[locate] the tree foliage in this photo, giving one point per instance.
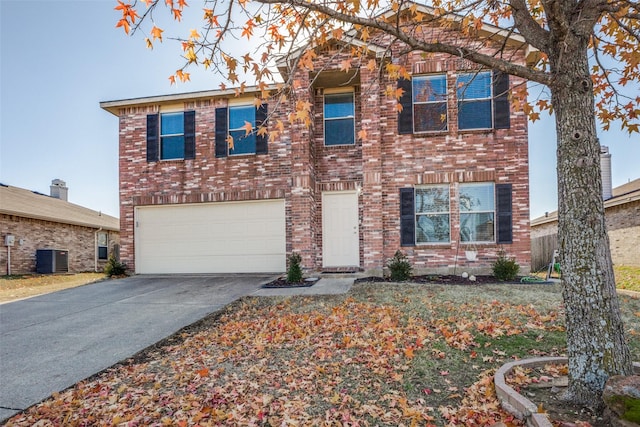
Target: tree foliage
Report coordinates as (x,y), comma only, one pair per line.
(585,54)
(277,32)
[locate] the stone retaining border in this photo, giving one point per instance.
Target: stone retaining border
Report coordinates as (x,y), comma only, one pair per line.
(517,404)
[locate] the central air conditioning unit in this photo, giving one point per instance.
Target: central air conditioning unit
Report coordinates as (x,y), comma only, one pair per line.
(52,261)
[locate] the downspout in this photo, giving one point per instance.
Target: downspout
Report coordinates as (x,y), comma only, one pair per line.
(95,249)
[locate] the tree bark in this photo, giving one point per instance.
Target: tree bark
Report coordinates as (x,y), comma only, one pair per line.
(595,337)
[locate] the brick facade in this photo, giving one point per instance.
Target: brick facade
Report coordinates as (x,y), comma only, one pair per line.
(33,234)
(299,168)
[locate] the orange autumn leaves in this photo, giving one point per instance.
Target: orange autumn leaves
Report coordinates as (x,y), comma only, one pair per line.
(311,363)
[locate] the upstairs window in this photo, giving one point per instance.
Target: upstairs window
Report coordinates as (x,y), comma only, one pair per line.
(242,143)
(432,214)
(477,212)
(171,136)
(474,101)
(429,103)
(482,99)
(339,119)
(231,138)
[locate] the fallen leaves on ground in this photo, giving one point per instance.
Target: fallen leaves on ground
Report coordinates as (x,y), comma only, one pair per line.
(307,361)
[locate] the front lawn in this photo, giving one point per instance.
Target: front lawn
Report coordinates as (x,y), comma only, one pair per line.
(385,354)
(28,285)
(627,277)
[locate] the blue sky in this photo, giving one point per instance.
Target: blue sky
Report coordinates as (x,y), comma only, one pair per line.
(59,59)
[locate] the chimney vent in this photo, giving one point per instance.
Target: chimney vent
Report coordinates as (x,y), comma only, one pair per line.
(59,189)
(605,167)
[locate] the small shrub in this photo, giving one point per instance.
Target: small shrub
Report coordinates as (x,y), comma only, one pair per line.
(505,268)
(400,267)
(294,272)
(114,267)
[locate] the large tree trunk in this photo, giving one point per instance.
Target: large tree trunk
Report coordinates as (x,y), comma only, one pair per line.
(595,336)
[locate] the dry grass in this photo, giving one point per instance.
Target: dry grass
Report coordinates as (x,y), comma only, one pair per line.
(19,287)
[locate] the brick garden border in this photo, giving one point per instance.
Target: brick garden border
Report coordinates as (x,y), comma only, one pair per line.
(517,404)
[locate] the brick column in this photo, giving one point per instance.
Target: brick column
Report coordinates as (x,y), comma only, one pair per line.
(302,218)
(371,196)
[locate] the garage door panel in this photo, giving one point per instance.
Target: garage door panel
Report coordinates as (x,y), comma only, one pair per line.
(211,238)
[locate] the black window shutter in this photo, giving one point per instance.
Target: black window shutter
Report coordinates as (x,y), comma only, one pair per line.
(261,120)
(504,213)
(221,132)
(405,117)
(189,134)
(407,218)
(501,113)
(152,138)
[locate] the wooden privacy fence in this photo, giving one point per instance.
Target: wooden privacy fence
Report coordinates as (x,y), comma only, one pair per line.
(542,248)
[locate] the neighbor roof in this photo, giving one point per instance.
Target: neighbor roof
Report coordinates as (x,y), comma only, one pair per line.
(622,194)
(30,204)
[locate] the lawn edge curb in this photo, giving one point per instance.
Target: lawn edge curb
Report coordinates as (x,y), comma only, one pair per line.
(518,405)
(514,402)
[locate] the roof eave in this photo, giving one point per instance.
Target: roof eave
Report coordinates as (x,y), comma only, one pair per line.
(114,106)
(58,220)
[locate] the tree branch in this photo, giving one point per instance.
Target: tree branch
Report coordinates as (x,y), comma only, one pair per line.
(535,35)
(420,45)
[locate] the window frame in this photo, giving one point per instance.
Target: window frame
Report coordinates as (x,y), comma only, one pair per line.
(446,213)
(105,247)
(352,118)
(171,135)
(251,135)
(493,211)
(461,99)
(444,102)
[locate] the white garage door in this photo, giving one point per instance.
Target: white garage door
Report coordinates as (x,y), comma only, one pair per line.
(233,237)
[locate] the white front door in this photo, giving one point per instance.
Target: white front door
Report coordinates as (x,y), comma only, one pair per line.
(340,233)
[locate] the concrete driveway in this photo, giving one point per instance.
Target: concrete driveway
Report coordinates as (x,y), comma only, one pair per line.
(50,342)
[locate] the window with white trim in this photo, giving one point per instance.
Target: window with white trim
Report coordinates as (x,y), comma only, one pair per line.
(103,246)
(242,142)
(432,214)
(339,119)
(477,212)
(429,103)
(474,92)
(172,136)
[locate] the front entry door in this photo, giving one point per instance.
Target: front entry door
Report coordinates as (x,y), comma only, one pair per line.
(340,233)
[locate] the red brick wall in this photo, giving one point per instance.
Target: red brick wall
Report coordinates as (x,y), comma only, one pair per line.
(37,234)
(299,168)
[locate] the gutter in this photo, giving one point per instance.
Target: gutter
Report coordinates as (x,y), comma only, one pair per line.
(95,248)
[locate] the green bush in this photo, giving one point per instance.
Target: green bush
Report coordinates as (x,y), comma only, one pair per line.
(400,267)
(294,272)
(505,268)
(114,267)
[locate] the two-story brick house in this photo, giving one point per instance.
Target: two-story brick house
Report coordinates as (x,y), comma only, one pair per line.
(446,174)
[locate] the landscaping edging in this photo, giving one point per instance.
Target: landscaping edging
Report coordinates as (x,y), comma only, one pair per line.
(518,405)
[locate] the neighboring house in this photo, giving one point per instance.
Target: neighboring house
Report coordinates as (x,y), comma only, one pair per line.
(448,173)
(31,221)
(622,214)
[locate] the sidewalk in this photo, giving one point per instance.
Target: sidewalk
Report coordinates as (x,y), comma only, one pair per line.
(327,285)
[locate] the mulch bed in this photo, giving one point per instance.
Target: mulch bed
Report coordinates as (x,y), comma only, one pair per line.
(281,282)
(448,279)
(441,279)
